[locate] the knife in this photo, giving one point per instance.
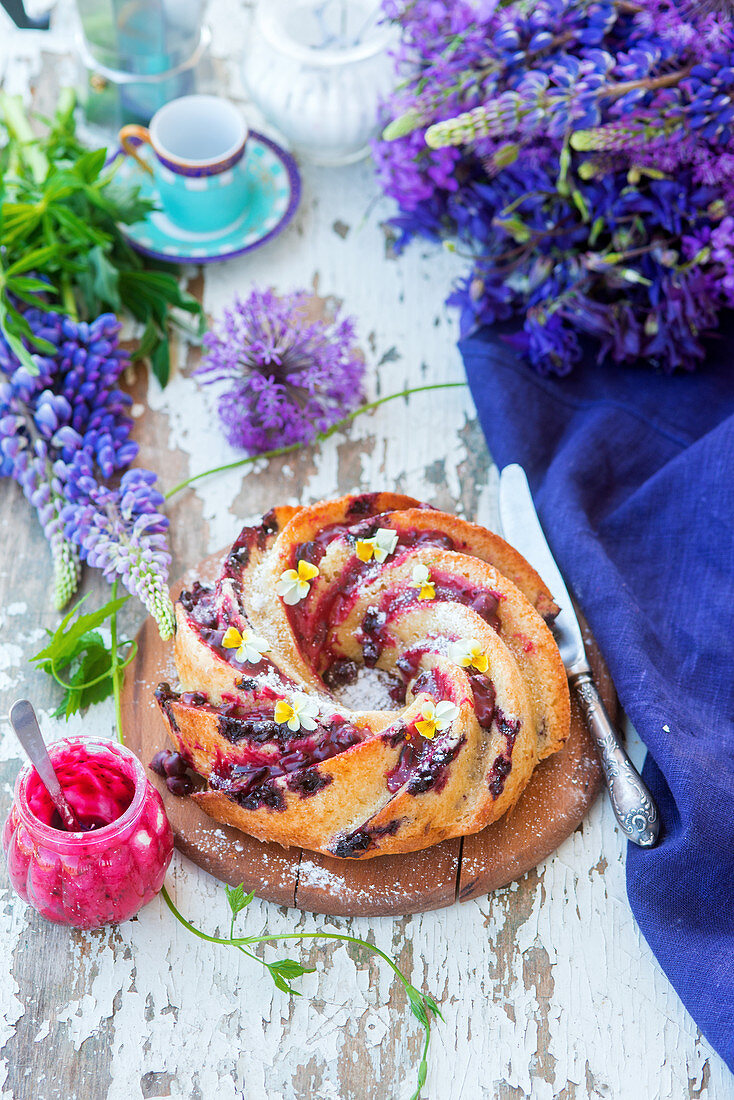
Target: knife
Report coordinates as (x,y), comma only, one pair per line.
(632,802)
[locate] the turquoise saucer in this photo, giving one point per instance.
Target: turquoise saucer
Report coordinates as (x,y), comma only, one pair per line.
(274,191)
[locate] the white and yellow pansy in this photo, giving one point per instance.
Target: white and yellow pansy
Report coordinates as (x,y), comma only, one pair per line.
(469,654)
(379,546)
(421,579)
(295,584)
(300,714)
(436,717)
(250,647)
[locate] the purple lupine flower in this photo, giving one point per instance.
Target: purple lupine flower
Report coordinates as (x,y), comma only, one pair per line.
(583,153)
(64,432)
(122,532)
(287,376)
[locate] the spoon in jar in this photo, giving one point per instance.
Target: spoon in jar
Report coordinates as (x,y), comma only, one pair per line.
(24,722)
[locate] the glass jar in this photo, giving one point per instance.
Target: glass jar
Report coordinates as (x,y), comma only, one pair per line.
(106,873)
(317,69)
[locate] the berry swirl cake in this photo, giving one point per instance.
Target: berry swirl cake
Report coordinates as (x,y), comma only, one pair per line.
(451,614)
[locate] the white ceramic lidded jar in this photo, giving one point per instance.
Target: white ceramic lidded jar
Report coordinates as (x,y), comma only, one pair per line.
(317,69)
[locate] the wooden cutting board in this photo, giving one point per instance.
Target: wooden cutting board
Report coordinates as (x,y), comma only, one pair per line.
(553,804)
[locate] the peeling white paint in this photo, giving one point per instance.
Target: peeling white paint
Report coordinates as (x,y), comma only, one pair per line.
(547,987)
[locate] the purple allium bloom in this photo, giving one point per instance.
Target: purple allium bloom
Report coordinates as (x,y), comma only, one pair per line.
(289,377)
(64,432)
(584,154)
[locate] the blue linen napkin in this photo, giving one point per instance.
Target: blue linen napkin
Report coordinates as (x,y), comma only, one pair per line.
(633,476)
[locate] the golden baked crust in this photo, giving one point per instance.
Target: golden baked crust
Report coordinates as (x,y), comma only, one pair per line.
(481,693)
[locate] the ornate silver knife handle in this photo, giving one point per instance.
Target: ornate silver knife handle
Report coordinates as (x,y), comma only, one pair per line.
(631,801)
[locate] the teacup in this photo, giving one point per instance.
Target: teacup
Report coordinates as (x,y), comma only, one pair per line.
(199,142)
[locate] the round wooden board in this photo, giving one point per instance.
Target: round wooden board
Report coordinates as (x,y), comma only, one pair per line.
(553,804)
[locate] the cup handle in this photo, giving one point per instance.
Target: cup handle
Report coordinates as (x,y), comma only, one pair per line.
(130,138)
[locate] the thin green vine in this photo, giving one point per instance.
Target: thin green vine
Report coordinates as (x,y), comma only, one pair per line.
(422,1005)
(319,438)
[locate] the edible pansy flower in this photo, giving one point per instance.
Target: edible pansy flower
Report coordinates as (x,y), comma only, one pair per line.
(300,714)
(436,717)
(469,654)
(422,580)
(250,647)
(379,547)
(294,584)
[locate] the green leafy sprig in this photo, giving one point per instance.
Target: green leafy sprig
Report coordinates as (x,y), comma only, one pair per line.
(422,1005)
(78,659)
(61,212)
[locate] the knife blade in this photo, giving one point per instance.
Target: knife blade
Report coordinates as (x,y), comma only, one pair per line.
(521,527)
(632,802)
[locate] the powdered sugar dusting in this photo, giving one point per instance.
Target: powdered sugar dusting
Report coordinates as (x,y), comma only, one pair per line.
(311,874)
(370,691)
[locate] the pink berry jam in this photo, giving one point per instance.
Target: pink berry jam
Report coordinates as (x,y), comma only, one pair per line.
(107,872)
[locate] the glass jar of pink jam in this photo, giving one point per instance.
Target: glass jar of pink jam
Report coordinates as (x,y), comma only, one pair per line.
(107,872)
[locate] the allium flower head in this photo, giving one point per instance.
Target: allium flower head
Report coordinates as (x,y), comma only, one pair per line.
(289,376)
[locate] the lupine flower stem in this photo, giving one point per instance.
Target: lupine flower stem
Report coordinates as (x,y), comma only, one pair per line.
(481,121)
(115,670)
(487,120)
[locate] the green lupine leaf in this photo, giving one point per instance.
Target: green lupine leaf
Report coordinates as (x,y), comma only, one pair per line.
(61,209)
(30,285)
(64,640)
(34,260)
(106,278)
(89,672)
(160,360)
(89,165)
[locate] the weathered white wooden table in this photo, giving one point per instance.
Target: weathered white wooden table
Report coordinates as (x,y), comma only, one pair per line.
(547,988)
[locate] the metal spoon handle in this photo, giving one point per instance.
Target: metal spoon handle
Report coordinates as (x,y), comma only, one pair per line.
(24,722)
(632,802)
